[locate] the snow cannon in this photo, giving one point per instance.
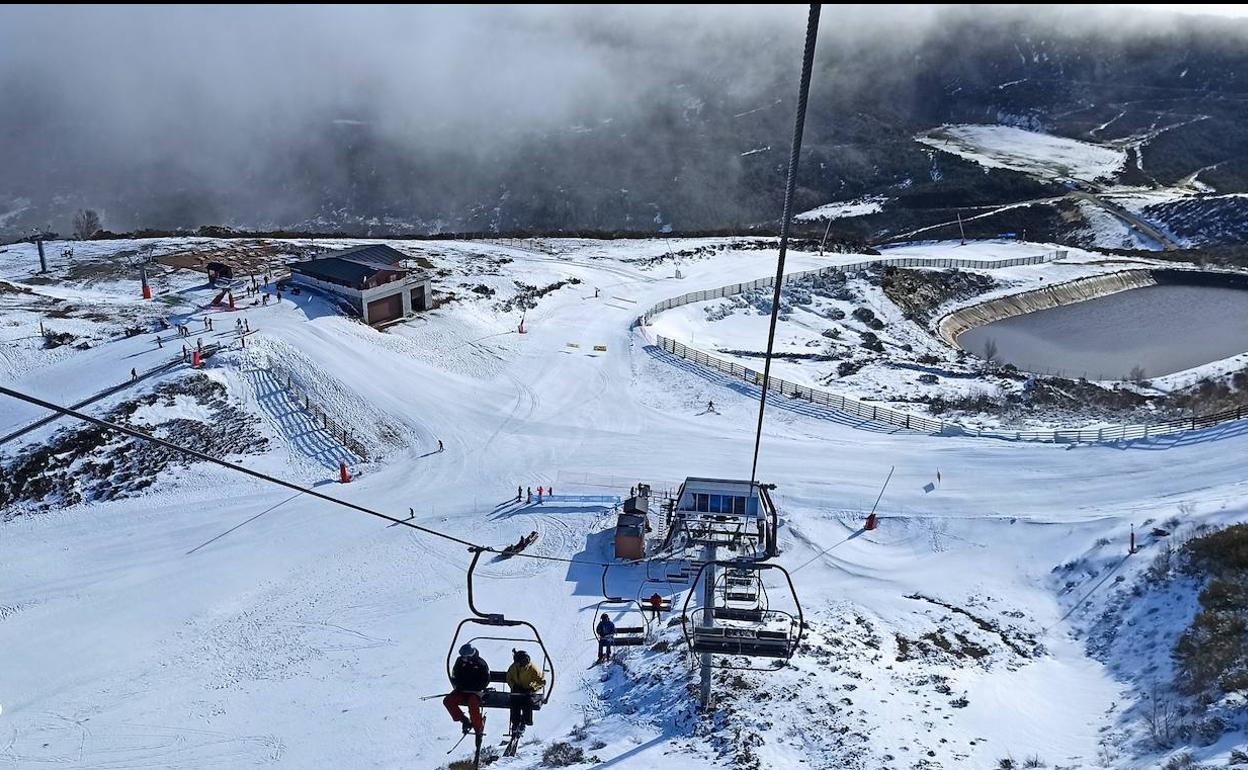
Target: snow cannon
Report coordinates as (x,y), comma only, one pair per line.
(871,522)
(343,474)
(196,361)
(147,290)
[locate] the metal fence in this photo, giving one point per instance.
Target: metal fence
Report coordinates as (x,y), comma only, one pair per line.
(904,420)
(761,283)
(330,426)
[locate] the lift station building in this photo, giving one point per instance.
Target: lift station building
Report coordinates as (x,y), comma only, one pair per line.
(726,511)
(371,280)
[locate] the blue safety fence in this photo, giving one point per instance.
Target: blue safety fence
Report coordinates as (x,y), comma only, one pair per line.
(607,500)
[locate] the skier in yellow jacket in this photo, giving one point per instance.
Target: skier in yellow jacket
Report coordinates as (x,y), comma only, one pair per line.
(524,679)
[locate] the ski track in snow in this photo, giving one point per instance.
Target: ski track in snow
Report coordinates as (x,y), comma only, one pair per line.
(144,633)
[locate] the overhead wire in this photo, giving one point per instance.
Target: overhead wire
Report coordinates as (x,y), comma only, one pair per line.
(803,93)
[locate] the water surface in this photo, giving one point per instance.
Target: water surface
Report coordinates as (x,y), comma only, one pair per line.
(1160,329)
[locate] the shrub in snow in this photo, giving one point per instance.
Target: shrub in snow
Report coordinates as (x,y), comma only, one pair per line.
(562,754)
(832,334)
(846,368)
(720,311)
(1212,654)
(835,314)
(797,293)
(872,342)
(928,379)
(1182,761)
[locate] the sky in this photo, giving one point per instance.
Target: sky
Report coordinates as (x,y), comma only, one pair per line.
(1206,9)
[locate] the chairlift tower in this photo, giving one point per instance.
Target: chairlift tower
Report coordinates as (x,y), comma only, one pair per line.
(737,516)
(708,621)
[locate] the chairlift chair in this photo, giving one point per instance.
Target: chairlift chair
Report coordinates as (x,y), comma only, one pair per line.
(744,597)
(625,636)
(648,588)
(667,571)
(764,632)
(508,632)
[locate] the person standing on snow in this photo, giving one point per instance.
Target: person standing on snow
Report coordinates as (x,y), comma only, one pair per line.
(519,494)
(524,680)
(606,636)
(470,677)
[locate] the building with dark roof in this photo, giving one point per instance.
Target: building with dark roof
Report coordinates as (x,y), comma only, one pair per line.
(370,279)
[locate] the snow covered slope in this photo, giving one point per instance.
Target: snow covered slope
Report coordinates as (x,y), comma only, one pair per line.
(210,620)
(1031,152)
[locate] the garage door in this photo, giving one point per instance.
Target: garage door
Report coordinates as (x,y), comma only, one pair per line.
(385,309)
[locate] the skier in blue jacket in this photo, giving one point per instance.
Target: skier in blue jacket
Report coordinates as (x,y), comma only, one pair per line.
(606,635)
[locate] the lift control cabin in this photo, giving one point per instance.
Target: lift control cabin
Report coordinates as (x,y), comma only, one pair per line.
(726,512)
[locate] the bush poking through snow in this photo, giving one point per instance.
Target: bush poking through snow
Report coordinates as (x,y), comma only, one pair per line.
(1212,654)
(562,754)
(1182,761)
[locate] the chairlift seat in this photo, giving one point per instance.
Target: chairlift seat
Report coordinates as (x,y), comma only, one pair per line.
(742,641)
(739,596)
(628,641)
(736,613)
(501,699)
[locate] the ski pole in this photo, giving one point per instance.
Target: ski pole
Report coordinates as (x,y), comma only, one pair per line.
(461,740)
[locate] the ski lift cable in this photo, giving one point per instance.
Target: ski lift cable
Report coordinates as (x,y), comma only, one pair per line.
(67,412)
(808,58)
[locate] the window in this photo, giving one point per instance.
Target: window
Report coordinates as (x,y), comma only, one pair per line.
(724,504)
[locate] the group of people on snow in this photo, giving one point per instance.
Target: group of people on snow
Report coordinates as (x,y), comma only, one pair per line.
(542,491)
